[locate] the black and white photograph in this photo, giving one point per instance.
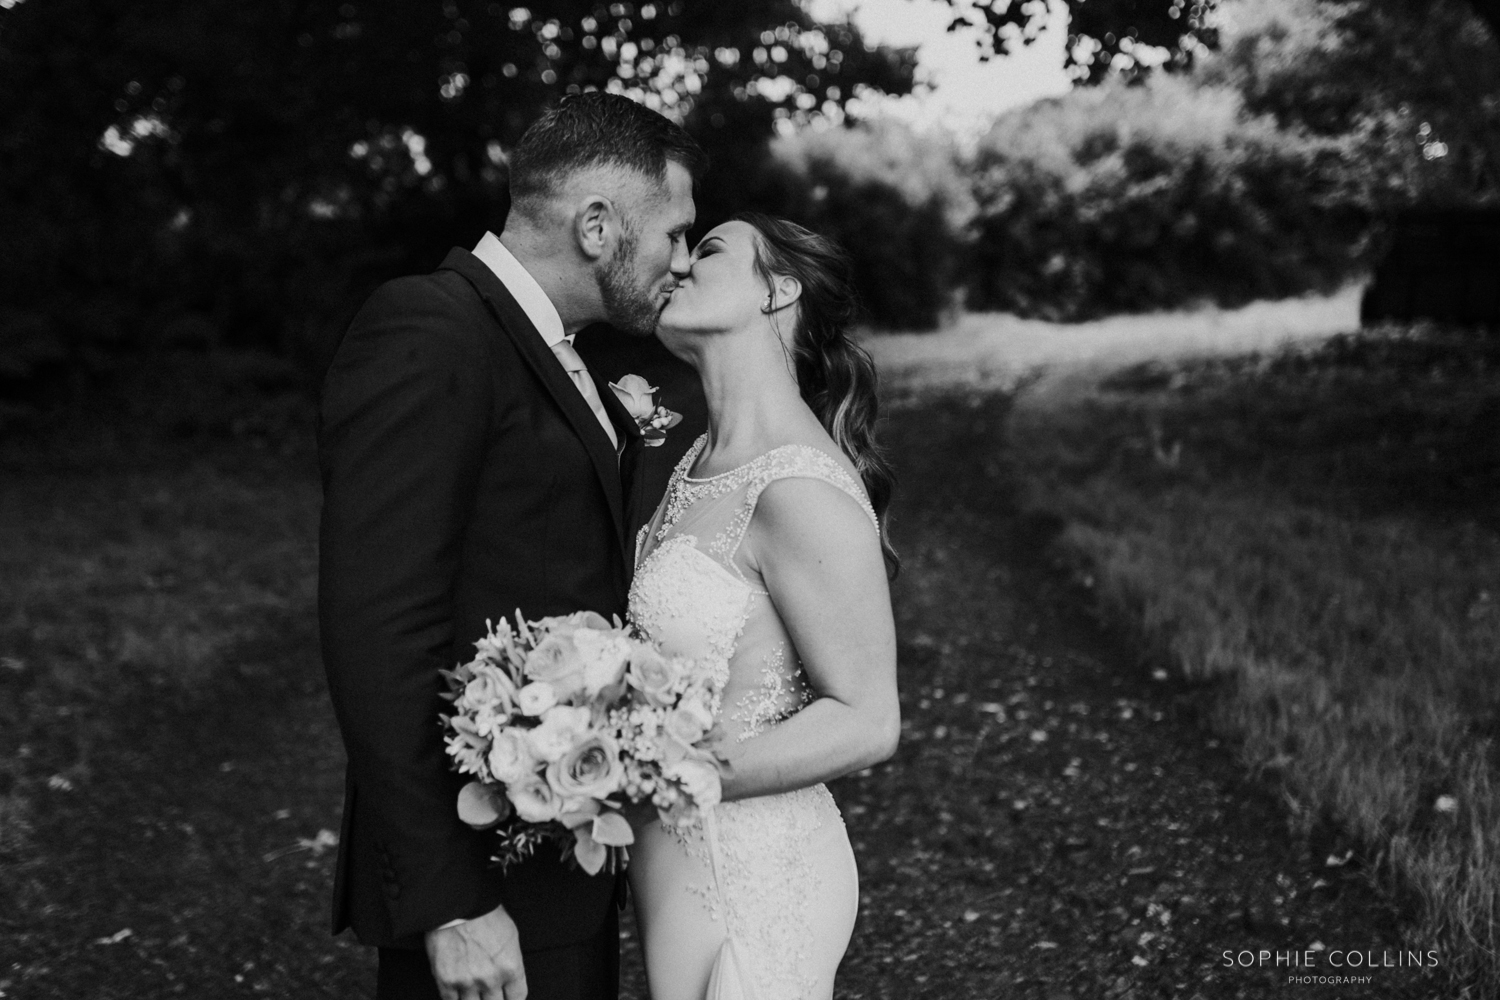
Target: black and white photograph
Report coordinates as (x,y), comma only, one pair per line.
(771,500)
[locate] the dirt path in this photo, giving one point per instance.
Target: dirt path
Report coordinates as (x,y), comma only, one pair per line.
(1055,824)
(990,351)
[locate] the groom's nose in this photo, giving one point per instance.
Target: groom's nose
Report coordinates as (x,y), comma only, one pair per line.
(681,260)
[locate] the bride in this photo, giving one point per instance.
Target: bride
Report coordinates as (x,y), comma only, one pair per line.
(768,555)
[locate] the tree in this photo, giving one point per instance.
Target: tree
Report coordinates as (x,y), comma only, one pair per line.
(255,165)
(1129,37)
(1133,36)
(1415,85)
(1419,79)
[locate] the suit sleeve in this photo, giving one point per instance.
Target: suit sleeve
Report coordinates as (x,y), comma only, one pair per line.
(405,416)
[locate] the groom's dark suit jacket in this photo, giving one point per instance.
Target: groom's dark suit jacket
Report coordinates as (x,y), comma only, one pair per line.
(464,477)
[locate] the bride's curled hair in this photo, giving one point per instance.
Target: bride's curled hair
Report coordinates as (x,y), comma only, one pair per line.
(835,374)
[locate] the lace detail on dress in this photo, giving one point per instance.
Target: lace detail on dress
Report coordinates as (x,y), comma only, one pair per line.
(672,585)
(782,694)
(770,865)
(799,460)
(758,851)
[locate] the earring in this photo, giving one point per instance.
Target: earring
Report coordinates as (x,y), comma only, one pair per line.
(766,306)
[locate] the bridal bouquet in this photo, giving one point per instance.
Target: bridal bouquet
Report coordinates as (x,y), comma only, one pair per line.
(562,721)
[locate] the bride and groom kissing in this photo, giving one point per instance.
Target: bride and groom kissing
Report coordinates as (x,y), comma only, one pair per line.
(473,465)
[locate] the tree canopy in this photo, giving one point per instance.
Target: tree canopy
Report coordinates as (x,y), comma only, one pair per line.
(207,155)
(1131,37)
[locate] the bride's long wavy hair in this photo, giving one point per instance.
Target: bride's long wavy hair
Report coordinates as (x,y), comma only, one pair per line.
(836,375)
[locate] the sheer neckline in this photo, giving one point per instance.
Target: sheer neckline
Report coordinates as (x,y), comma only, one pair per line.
(702,442)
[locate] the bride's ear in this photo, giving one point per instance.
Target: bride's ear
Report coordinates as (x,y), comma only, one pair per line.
(785,291)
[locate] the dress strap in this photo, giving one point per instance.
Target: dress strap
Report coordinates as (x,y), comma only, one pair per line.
(792,461)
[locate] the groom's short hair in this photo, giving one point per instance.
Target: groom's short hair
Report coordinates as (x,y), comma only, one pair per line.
(597,129)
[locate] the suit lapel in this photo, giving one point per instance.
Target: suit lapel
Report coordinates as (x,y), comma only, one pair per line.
(531,347)
(630,454)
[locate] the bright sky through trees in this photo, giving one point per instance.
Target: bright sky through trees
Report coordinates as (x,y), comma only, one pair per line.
(961,93)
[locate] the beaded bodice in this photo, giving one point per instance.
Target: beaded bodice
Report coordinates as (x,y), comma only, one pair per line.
(695,595)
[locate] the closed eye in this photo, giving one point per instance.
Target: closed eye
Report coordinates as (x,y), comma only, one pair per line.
(706,248)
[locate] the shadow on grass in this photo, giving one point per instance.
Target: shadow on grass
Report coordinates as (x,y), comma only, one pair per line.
(164,729)
(1317,529)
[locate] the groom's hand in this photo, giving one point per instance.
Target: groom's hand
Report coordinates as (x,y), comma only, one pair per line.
(479,959)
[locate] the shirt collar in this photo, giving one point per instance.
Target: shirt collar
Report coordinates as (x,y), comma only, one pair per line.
(519,282)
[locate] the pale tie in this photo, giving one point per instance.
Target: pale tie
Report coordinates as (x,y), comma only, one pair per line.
(579,373)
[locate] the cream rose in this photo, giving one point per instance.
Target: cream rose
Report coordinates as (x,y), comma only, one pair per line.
(605,656)
(535,698)
(689,722)
(653,675)
(490,689)
(562,726)
(510,757)
(566,625)
(591,769)
(535,801)
(556,661)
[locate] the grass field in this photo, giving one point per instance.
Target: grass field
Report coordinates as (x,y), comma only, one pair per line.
(1315,532)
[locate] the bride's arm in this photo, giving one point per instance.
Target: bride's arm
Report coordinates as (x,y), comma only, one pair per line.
(821,562)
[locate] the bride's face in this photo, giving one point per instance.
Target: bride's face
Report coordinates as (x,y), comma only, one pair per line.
(722,291)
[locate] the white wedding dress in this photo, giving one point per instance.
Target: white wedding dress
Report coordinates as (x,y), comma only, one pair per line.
(759,902)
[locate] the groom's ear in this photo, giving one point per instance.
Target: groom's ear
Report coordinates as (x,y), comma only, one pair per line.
(595,223)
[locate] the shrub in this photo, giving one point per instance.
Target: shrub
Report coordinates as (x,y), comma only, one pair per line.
(1128,198)
(896,200)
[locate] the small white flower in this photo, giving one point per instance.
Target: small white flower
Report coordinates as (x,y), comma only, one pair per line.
(699,779)
(535,801)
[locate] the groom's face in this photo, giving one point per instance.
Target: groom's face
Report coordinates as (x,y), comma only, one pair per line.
(651,256)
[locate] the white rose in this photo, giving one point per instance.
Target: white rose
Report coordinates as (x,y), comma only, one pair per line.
(535,698)
(654,675)
(591,769)
(510,757)
(534,800)
(699,779)
(562,726)
(556,661)
(689,721)
(490,688)
(605,657)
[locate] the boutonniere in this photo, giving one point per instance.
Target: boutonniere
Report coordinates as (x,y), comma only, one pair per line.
(639,399)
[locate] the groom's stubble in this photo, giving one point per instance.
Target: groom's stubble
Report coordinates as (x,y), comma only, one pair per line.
(629,305)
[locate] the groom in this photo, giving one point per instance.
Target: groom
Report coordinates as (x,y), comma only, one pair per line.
(472,465)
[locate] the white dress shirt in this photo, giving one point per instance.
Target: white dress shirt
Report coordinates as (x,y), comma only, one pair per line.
(543,315)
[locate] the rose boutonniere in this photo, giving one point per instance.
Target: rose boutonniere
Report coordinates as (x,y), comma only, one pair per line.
(639,399)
